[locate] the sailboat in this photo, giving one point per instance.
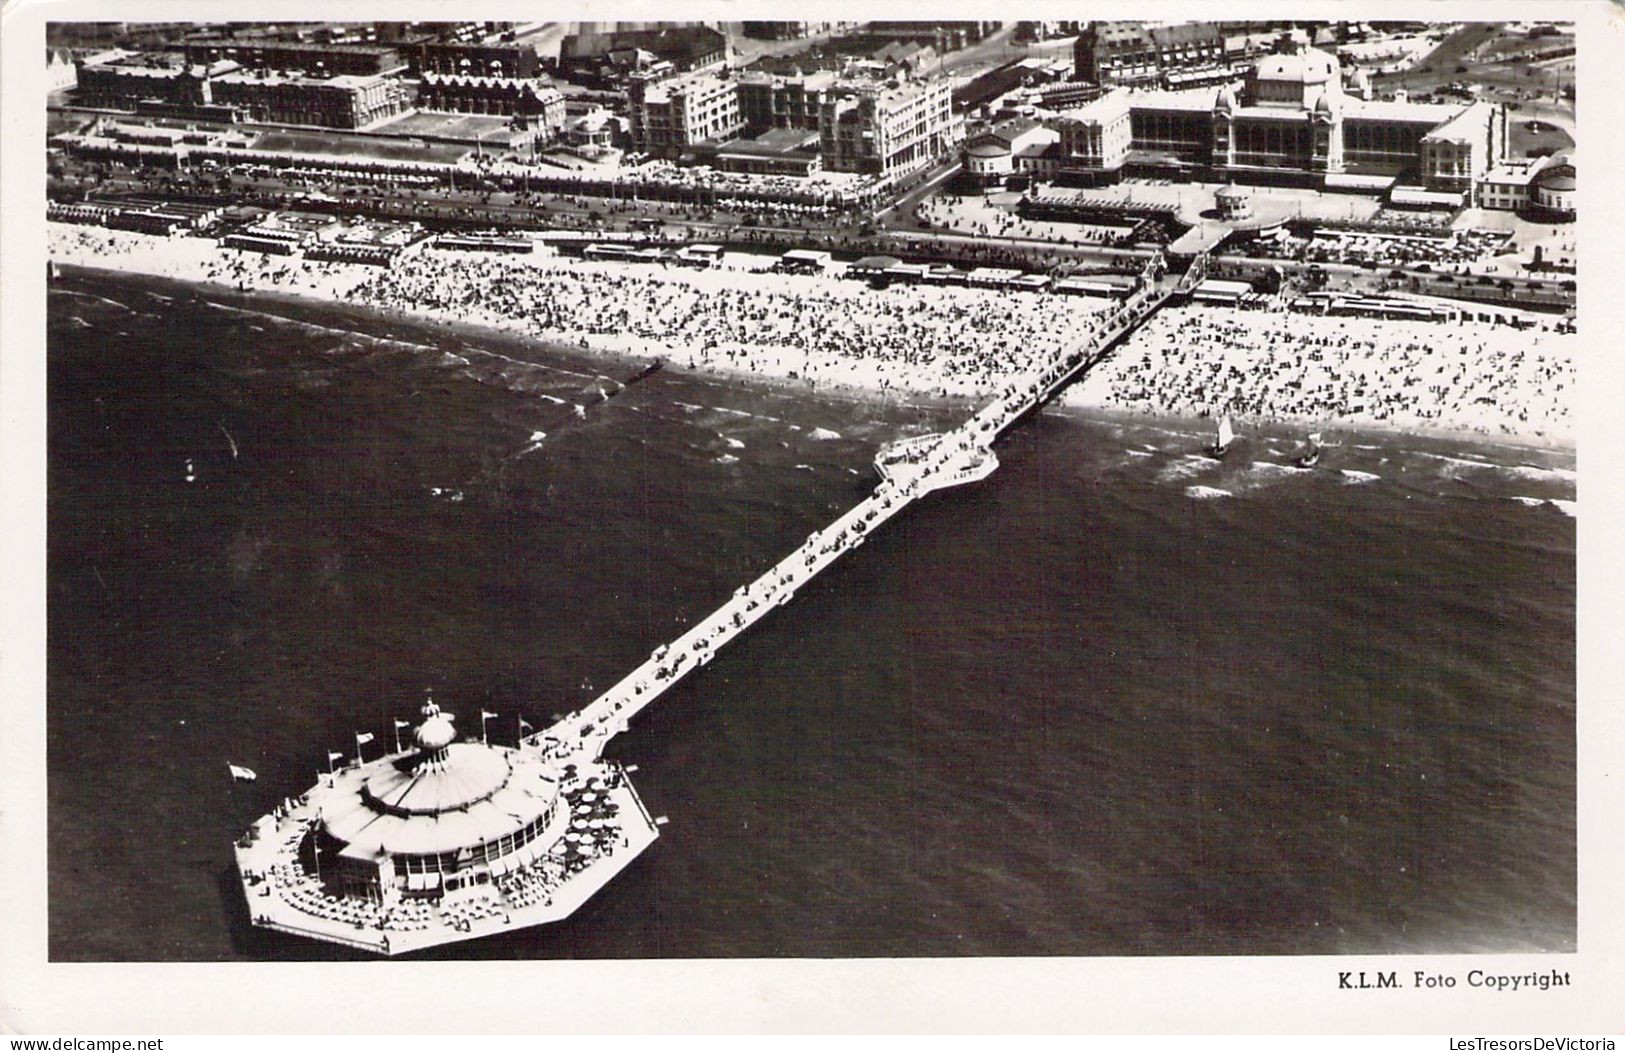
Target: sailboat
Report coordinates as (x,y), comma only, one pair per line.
(1227,435)
(1312,457)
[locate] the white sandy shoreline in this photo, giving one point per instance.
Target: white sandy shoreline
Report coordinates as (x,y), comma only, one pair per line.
(923,346)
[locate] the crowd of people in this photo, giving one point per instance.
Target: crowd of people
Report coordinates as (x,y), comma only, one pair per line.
(939,342)
(1465,376)
(943,342)
(1459,249)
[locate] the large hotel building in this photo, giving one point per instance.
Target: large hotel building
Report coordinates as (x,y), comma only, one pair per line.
(862,125)
(879,129)
(1290,122)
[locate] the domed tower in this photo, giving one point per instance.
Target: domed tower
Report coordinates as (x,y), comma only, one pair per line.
(1224,127)
(1362,84)
(434,736)
(1326,121)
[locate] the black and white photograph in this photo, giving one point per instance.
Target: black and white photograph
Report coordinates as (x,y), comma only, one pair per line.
(841,490)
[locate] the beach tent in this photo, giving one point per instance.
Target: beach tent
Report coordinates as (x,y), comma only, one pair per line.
(874,264)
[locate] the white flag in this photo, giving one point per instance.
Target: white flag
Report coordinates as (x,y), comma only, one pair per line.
(241,773)
(486,714)
(399,724)
(363,737)
(333,755)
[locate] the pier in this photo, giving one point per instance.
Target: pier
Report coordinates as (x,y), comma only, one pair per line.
(909,469)
(451,838)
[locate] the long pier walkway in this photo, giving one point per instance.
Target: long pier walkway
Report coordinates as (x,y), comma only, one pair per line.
(909,470)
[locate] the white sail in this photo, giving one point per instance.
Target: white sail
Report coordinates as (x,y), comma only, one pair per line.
(1314,439)
(1226,435)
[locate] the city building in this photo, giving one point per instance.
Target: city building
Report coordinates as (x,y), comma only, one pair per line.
(943,36)
(768,101)
(670,116)
(593,130)
(1554,186)
(997,87)
(60,71)
(907,58)
(1457,153)
(889,129)
(785,30)
(1541,186)
(346,101)
(1505,188)
(512,61)
(1145,53)
(1290,121)
(991,157)
(778,151)
(498,96)
(687,48)
(362,60)
(1096,137)
(118,80)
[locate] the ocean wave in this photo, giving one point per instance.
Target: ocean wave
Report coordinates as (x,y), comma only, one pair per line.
(1454,465)
(1206,493)
(1183,468)
(1351,477)
(727,458)
(1530,471)
(1566,507)
(1137,453)
(824,434)
(733,443)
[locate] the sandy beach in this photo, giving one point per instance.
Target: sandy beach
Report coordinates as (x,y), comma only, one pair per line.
(926,342)
(1464,377)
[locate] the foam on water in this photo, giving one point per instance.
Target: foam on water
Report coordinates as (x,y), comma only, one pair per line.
(1187,466)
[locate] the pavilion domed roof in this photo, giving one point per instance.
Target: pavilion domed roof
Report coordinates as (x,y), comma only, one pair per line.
(473,793)
(1308,66)
(1557,173)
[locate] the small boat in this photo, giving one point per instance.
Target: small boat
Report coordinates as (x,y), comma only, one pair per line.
(1221,443)
(1312,457)
(646,371)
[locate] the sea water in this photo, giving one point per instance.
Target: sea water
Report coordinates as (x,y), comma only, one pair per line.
(1119,698)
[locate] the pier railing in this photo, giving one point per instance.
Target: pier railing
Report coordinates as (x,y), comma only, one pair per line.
(909,469)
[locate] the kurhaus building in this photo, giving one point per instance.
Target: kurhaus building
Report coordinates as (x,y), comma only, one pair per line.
(1291,121)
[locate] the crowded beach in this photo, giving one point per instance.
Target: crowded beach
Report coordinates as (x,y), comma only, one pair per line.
(915,341)
(1473,377)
